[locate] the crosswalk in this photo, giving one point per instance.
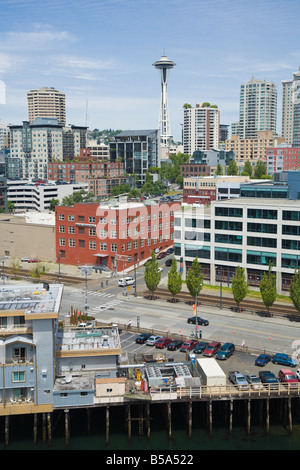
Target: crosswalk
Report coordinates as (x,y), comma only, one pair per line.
(92,293)
(110,305)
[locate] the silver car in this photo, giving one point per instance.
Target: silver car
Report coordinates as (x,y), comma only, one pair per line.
(152,340)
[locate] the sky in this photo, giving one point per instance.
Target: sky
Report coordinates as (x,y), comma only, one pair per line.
(100,53)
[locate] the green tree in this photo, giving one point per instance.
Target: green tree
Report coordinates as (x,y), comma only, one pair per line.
(174,280)
(268,288)
(53,202)
(239,285)
(152,275)
(219,170)
(295,289)
(15,265)
(10,206)
(232,169)
(247,170)
(38,270)
(260,169)
(194,278)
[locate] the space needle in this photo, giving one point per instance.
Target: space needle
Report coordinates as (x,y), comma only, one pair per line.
(164,65)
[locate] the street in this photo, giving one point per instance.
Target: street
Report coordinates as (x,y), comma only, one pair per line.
(109,304)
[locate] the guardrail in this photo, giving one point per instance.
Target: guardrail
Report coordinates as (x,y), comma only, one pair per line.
(228,391)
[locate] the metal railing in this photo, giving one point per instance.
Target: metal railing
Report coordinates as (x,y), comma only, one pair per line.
(228,391)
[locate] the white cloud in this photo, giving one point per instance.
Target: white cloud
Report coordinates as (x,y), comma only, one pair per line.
(41,37)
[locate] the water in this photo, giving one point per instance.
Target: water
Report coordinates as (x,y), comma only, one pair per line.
(21,434)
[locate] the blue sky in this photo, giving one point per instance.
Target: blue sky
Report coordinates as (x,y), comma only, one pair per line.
(101,52)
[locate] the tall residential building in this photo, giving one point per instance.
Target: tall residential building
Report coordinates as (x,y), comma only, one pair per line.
(4,135)
(45,140)
(46,103)
(258,108)
(291,110)
(201,128)
(287,111)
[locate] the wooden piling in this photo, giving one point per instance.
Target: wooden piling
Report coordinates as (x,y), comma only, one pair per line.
(290,414)
(6,429)
(67,427)
(169,420)
(148,420)
(230,416)
(129,422)
(209,404)
(248,416)
(44,427)
(49,428)
(190,417)
(267,415)
(35,428)
(107,425)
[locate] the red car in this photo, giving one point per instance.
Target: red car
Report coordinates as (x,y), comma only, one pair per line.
(33,260)
(163,343)
(161,255)
(211,349)
(188,345)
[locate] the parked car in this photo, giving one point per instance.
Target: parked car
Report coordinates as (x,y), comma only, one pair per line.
(225,351)
(267,377)
(262,359)
(25,259)
(128,281)
(142,338)
(188,345)
(200,347)
(236,378)
(163,343)
(33,260)
(200,321)
(287,376)
(284,359)
(175,344)
(253,380)
(212,348)
(170,251)
(85,325)
(161,255)
(168,262)
(152,340)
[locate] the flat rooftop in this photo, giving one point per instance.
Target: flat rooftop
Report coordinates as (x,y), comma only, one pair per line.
(32,299)
(83,339)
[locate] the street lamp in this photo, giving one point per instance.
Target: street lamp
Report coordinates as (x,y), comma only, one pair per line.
(85,271)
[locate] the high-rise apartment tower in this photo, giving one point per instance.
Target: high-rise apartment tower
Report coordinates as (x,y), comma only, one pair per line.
(46,103)
(290,127)
(201,128)
(258,108)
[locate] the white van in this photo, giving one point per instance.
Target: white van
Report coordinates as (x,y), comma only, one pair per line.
(128,281)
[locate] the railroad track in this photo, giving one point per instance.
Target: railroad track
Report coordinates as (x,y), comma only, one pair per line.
(277,309)
(45,277)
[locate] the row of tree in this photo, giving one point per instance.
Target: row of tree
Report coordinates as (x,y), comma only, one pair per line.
(240,285)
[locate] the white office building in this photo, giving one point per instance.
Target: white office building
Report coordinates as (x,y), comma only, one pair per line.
(27,196)
(247,232)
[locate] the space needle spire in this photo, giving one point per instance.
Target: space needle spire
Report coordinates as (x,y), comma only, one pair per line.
(164,65)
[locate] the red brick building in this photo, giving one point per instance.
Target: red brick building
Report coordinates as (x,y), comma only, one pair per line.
(112,235)
(282,159)
(81,171)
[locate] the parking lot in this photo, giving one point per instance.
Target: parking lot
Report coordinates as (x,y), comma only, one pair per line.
(239,361)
